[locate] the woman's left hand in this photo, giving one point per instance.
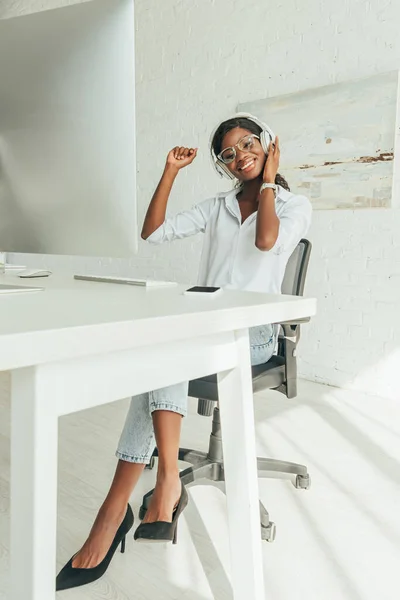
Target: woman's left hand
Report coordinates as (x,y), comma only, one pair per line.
(272,162)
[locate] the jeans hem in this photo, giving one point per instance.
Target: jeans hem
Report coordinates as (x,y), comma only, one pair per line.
(139,459)
(169,407)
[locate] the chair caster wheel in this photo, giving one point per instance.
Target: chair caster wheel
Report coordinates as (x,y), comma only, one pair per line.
(303,482)
(268,533)
(151,464)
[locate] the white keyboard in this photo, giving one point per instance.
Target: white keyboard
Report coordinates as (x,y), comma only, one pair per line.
(125,280)
(17,289)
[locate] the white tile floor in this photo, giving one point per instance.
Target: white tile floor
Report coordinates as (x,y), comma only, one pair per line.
(338,541)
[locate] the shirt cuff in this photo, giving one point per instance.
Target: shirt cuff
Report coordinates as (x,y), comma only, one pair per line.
(157,237)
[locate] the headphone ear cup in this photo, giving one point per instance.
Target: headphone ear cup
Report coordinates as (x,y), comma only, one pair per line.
(265,140)
(223,170)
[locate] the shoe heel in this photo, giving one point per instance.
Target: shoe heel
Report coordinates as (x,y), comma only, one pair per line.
(175,539)
(123,544)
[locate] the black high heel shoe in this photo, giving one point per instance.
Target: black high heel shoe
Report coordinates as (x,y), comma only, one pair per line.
(163,531)
(70,577)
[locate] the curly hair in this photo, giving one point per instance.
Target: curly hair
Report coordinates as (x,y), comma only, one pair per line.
(243,123)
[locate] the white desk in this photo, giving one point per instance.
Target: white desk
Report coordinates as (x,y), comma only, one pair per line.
(80,344)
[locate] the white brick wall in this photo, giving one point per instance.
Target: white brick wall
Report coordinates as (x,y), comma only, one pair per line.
(196,59)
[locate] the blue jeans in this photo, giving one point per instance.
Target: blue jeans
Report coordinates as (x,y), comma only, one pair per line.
(137,441)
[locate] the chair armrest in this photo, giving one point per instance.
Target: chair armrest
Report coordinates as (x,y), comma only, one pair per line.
(288,344)
(291,330)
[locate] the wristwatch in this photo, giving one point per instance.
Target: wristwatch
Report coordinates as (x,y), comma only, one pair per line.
(271,186)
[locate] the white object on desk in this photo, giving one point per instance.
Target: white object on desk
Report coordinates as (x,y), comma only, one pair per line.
(125,280)
(12,268)
(81,345)
(29,273)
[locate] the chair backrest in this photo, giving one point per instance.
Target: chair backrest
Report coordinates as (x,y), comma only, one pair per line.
(296,269)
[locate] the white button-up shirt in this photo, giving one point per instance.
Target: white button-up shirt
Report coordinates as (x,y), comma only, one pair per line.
(230,258)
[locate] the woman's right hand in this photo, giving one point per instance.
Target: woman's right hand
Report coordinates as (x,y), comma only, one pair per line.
(180,157)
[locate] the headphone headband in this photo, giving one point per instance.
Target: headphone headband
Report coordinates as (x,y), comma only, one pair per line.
(267,136)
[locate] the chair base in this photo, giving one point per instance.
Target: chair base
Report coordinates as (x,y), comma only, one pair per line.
(210,466)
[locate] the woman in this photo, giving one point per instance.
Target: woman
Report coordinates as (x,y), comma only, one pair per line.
(249,235)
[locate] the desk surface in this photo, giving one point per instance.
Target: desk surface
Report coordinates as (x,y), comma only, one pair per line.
(102,341)
(75,318)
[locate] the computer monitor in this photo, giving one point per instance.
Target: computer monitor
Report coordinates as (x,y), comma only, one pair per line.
(67,131)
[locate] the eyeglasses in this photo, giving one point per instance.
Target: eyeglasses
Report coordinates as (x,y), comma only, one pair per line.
(246,143)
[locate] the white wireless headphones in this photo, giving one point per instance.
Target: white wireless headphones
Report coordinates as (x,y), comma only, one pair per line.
(266,137)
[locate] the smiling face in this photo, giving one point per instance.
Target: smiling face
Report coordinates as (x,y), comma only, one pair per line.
(249,162)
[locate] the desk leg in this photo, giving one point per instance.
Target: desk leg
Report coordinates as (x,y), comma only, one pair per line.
(238,438)
(34,434)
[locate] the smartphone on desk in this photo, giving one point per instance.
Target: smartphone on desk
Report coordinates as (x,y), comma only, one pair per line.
(199,290)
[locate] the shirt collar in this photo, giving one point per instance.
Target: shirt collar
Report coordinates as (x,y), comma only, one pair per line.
(230,201)
(282,194)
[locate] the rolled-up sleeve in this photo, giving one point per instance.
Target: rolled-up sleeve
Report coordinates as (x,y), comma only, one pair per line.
(184,224)
(295,221)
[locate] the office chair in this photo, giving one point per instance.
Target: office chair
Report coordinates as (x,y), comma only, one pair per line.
(279,373)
